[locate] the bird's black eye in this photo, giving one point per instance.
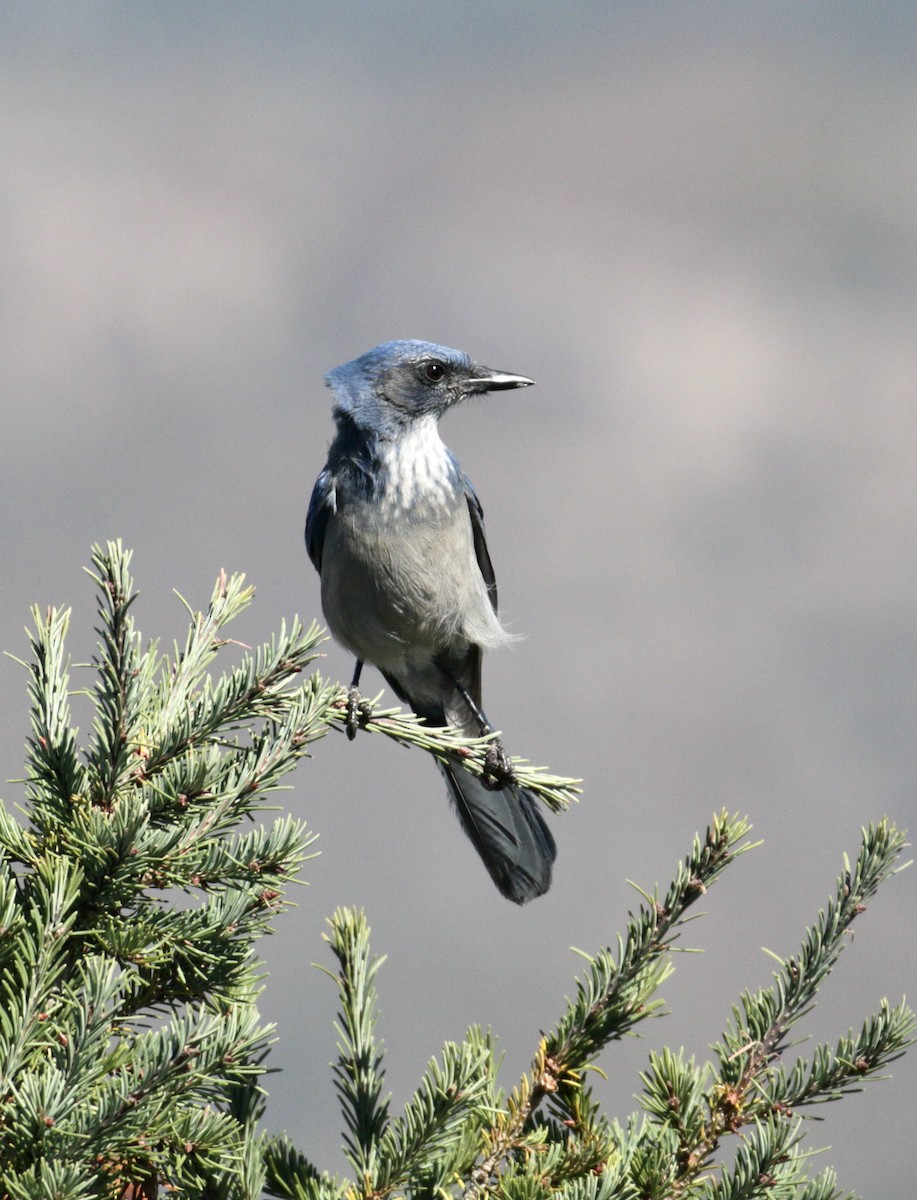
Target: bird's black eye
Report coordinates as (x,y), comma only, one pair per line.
(433,371)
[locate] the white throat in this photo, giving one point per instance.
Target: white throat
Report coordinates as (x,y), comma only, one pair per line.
(417,467)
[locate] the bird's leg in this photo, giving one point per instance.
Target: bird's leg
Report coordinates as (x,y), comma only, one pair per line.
(498,770)
(358,710)
(485,725)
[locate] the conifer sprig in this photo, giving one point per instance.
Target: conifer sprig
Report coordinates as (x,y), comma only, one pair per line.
(450,745)
(388,1153)
(619,989)
(358,1071)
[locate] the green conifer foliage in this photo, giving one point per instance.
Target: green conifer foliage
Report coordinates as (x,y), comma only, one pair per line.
(134,893)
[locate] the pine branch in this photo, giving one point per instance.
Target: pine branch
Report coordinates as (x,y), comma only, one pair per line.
(831,1074)
(121,668)
(763,1019)
(822,1187)
(766,1164)
(617,994)
(358,1075)
(761,1023)
(54,770)
(37,961)
(414,1148)
(749,1085)
(453,746)
(292,1176)
(618,991)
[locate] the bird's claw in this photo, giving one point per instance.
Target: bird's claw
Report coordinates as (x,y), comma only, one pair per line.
(359,712)
(498,771)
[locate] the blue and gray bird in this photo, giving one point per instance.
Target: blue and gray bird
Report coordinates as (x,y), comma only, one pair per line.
(396,532)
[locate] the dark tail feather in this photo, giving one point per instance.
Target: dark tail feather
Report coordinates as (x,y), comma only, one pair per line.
(508,832)
(505,826)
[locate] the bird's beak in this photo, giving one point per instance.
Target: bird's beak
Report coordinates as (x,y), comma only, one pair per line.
(484,379)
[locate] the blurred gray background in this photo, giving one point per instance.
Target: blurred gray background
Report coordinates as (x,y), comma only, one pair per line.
(695,225)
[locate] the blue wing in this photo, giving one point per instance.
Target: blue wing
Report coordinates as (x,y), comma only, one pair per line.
(320,508)
(476,513)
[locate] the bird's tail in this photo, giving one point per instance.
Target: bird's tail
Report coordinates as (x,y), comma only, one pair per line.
(508,832)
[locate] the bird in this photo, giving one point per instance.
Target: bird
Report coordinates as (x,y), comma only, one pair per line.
(396,532)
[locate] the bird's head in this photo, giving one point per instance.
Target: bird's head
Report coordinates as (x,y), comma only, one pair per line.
(391,387)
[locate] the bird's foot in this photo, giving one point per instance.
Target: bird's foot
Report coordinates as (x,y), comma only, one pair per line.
(359,712)
(498,770)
